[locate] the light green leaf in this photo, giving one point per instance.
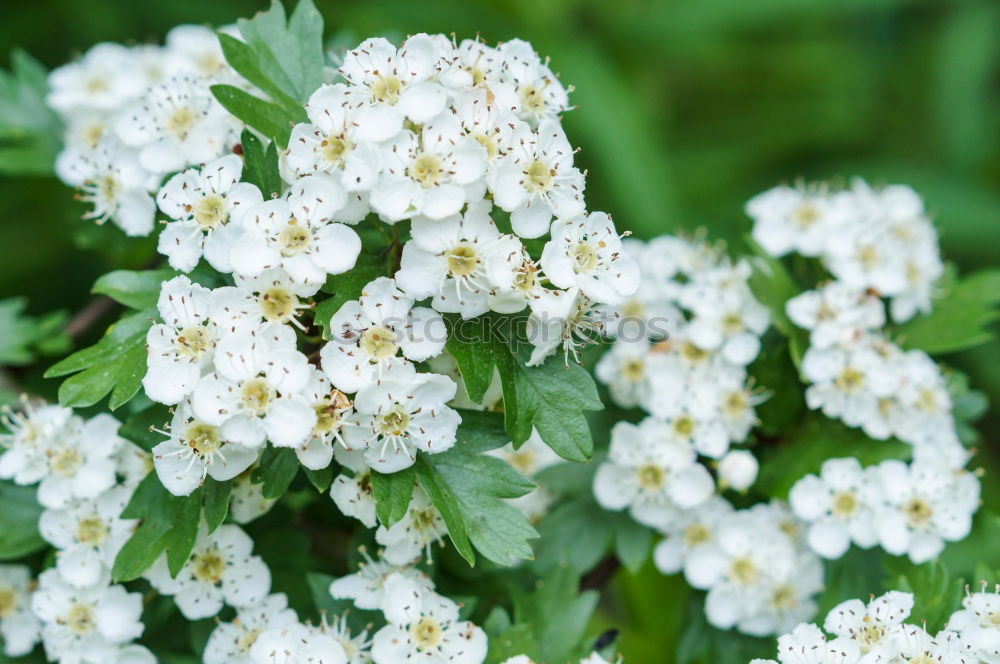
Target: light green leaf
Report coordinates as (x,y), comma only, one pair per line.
(960,319)
(138,290)
(268,118)
(471,486)
(19,521)
(22,337)
(393,492)
(558,614)
(936,595)
(260,166)
(116,364)
(289,55)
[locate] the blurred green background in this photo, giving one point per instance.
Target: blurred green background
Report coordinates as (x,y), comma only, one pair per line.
(686,108)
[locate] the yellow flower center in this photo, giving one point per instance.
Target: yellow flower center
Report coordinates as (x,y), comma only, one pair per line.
(490,145)
(783,597)
(295,238)
(278,305)
(257,395)
(378,343)
(108,187)
(427,170)
(65,462)
(193,342)
(208,566)
(584,257)
(696,534)
(8,601)
(743,571)
(335,149)
(426,633)
(91,530)
(633,369)
(202,438)
(462,260)
(538,177)
(80,619)
(210,211)
(181,121)
(804,215)
(844,504)
(850,380)
(532,99)
(917,512)
(734,404)
(394,421)
(684,425)
(651,477)
(386,89)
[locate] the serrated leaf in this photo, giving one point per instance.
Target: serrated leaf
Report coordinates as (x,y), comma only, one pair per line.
(23,337)
(19,521)
(268,118)
(139,553)
(260,165)
(472,487)
(393,492)
(959,320)
(135,289)
(244,59)
(116,364)
(275,471)
(289,55)
(215,502)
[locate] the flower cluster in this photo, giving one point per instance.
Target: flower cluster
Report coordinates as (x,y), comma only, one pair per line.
(856,633)
(134,114)
(910,509)
(870,239)
(85,475)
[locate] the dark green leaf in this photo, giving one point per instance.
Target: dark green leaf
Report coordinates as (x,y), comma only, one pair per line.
(18,521)
(215,502)
(138,290)
(139,427)
(557,613)
(393,492)
(260,166)
(276,470)
(321,479)
(181,537)
(139,553)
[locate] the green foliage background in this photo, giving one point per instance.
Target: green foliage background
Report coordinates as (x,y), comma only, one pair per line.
(686,109)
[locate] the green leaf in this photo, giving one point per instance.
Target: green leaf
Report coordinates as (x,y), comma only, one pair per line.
(182,535)
(473,346)
(244,59)
(321,479)
(268,118)
(632,543)
(19,521)
(115,364)
(276,470)
(167,523)
(23,337)
(29,130)
(936,595)
(773,285)
(289,55)
(469,489)
(260,166)
(138,290)
(393,492)
(348,286)
(560,531)
(558,614)
(215,502)
(139,428)
(960,319)
(551,399)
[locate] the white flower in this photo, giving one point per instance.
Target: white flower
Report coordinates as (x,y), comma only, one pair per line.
(540,94)
(795,219)
(625,370)
(296,234)
(369,334)
(399,83)
(113,182)
(431,174)
(353,494)
(84,624)
(88,534)
(206,206)
(412,536)
(230,642)
(738,469)
(977,623)
(333,412)
(687,530)
(806,644)
(81,463)
(331,142)
(219,569)
(366,587)
(195,50)
(587,253)
(103,79)
(458,261)
(176,124)
(132,464)
(875,628)
(400,413)
(925,504)
(537,180)
(247,501)
(839,506)
(196,450)
(256,390)
(356,647)
(423,624)
(647,471)
(271,297)
(297,644)
(18,625)
(182,346)
(32,431)
(489,121)
(562,319)
(836,314)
